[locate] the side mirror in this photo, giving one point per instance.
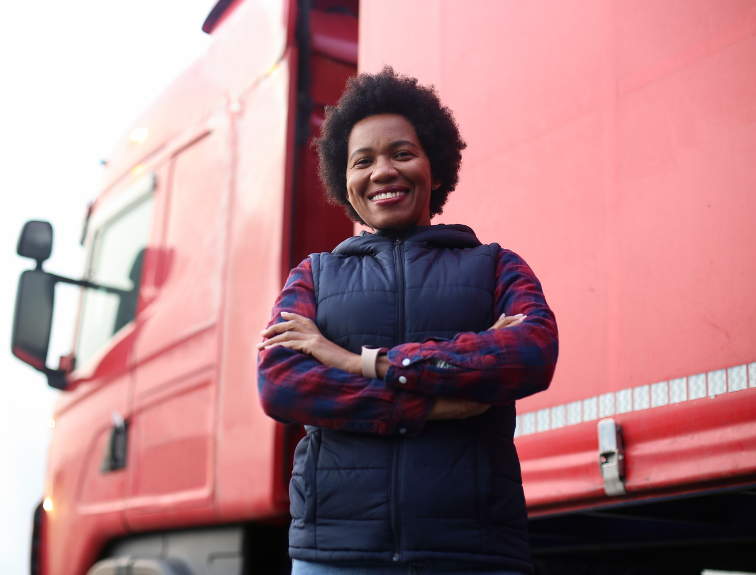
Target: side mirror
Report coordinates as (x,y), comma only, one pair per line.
(36,241)
(32,323)
(33,318)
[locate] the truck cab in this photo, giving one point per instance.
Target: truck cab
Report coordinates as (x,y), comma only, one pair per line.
(207,202)
(609,143)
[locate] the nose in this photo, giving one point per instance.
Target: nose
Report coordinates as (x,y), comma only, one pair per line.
(383,170)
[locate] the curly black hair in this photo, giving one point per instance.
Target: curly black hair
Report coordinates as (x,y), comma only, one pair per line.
(389,93)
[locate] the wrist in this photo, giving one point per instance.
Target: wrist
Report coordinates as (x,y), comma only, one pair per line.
(350,362)
(382,365)
(355,364)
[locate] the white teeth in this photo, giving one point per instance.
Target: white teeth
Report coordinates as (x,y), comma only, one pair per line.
(386,195)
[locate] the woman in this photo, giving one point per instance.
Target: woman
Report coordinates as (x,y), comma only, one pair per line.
(388,350)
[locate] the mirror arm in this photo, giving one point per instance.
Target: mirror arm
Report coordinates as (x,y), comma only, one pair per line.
(88,284)
(55,378)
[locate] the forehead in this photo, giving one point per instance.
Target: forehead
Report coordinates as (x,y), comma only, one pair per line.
(381,130)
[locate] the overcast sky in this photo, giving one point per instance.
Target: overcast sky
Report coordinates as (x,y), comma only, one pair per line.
(74,76)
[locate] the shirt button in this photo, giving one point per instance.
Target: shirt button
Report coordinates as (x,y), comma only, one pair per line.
(402,379)
(405,362)
(403,430)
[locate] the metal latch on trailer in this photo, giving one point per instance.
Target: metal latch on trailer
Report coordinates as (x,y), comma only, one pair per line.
(611,457)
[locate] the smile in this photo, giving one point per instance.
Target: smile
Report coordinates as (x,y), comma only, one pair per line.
(388,194)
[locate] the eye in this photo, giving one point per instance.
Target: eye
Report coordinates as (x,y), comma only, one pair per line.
(403,154)
(361,162)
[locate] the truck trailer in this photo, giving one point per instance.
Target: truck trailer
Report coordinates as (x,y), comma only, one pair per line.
(611,144)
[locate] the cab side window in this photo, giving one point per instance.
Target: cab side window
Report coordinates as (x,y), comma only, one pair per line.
(116,260)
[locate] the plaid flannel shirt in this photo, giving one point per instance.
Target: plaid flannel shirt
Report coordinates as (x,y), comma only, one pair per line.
(493,367)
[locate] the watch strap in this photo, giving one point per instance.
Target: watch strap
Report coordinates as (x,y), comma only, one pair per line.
(369,357)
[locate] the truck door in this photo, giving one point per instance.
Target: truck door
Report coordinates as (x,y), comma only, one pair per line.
(176,373)
(85,478)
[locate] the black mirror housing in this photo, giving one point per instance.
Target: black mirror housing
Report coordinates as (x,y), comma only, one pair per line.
(32,320)
(32,323)
(36,241)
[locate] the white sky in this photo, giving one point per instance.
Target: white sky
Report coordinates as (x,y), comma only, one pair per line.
(73,77)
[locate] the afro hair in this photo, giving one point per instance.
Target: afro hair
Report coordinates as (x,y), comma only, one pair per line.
(390,93)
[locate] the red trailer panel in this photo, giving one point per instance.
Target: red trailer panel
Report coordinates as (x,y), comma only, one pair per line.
(611,144)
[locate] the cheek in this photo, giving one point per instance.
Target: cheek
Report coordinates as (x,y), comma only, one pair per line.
(352,187)
(349,194)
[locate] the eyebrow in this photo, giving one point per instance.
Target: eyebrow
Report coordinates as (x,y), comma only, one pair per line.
(397,144)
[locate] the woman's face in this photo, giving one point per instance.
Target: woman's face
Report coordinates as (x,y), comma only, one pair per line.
(388,174)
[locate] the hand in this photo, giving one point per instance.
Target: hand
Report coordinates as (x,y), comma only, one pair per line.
(508,321)
(447,408)
(301,334)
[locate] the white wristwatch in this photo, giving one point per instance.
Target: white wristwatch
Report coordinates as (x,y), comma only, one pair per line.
(369,357)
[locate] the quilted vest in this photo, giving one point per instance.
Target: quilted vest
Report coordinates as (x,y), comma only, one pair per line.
(454,492)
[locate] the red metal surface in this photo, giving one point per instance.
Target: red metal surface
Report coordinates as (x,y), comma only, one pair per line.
(611,145)
(183,374)
(334,35)
(672,450)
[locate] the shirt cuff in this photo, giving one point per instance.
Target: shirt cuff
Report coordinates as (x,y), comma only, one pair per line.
(405,368)
(410,414)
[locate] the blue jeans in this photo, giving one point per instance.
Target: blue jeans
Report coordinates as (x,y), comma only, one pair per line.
(414,568)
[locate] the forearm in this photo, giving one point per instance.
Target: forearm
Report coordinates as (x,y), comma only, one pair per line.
(495,366)
(296,388)
(492,367)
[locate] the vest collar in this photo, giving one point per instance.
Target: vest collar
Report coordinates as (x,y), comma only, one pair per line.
(454,236)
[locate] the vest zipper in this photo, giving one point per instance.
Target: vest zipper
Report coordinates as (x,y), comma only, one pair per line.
(394,496)
(397,443)
(399,264)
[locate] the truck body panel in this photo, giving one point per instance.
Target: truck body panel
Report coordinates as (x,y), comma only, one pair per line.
(610,145)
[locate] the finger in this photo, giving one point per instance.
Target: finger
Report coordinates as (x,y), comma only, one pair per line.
(297,323)
(291,316)
(480,409)
(277,328)
(473,408)
(286,336)
(507,321)
(296,345)
(516,322)
(513,320)
(464,408)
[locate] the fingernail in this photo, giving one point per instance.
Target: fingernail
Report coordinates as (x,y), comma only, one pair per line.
(519,315)
(502,316)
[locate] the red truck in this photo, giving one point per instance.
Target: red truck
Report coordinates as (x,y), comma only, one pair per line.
(611,144)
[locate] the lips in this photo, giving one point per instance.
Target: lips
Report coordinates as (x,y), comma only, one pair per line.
(387,193)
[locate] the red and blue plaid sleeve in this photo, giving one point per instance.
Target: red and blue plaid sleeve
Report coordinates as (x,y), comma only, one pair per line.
(492,367)
(296,388)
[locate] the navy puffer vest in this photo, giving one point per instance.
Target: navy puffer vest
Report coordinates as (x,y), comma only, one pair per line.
(454,491)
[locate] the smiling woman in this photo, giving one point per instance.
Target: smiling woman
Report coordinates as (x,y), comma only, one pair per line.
(389,178)
(425,124)
(403,351)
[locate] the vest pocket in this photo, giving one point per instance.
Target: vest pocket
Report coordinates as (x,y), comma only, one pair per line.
(303,484)
(297,498)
